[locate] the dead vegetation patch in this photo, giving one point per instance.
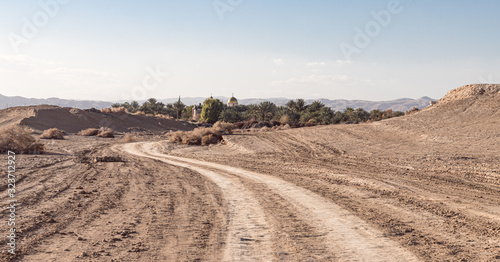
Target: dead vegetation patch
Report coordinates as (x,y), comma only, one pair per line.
(106,132)
(100,159)
(102,132)
(118,110)
(89,132)
(203,135)
(19,140)
(52,133)
(128,138)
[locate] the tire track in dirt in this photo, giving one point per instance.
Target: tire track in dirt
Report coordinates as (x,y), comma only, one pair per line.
(348,237)
(248,238)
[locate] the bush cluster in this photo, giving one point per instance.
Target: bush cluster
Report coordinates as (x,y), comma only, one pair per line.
(102,132)
(203,135)
(52,133)
(19,140)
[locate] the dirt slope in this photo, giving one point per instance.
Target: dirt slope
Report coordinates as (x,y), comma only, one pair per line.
(73,120)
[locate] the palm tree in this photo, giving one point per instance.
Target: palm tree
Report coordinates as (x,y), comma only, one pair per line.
(252,111)
(266,110)
(179,107)
(297,106)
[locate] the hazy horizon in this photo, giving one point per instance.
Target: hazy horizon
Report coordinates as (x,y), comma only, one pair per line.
(363,50)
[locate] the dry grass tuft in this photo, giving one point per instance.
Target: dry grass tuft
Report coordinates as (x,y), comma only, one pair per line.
(128,138)
(52,133)
(106,132)
(89,132)
(19,140)
(119,110)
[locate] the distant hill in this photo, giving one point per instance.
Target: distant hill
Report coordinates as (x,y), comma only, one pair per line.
(10,101)
(402,104)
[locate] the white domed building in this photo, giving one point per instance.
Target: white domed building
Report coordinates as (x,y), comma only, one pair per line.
(232,101)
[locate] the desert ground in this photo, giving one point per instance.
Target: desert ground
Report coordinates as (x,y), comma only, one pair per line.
(423,187)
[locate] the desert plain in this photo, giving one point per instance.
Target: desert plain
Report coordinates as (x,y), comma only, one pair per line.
(422,187)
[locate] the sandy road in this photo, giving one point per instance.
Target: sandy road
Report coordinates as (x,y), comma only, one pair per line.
(346,236)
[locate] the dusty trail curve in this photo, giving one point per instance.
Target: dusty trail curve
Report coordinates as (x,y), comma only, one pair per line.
(348,237)
(248,238)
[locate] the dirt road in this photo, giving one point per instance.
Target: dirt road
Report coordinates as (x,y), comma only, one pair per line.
(338,233)
(424,187)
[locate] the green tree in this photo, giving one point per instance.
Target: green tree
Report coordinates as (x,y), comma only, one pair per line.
(266,110)
(376,115)
(316,106)
(360,115)
(134,107)
(188,112)
(297,106)
(230,115)
(211,110)
(252,112)
(179,107)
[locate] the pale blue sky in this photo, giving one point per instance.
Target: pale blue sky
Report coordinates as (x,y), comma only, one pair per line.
(100,50)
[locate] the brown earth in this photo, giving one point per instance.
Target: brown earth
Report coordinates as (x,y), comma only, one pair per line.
(425,187)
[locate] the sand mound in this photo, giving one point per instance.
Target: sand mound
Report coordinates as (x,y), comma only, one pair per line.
(73,120)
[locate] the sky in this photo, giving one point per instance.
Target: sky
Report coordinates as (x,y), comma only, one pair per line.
(132,50)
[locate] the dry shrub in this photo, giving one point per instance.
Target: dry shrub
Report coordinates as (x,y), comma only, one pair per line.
(285,119)
(163,116)
(224,127)
(128,138)
(176,137)
(191,139)
(210,139)
(139,113)
(245,124)
(106,132)
(89,132)
(119,110)
(52,133)
(202,135)
(19,140)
